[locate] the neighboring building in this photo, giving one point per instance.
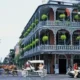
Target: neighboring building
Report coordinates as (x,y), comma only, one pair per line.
(53,34)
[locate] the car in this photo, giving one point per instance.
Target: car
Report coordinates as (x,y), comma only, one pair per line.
(71,73)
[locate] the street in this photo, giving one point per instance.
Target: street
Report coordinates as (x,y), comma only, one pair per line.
(49,77)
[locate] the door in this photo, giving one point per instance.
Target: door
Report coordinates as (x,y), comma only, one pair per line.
(62,66)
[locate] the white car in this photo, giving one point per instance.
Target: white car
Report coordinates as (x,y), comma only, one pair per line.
(71,73)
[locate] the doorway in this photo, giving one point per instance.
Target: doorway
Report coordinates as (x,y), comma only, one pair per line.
(62,66)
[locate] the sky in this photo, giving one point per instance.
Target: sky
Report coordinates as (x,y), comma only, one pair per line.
(14,15)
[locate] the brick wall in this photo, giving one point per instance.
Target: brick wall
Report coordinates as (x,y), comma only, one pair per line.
(51,15)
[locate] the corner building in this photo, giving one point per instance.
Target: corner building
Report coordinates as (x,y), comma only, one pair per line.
(53,38)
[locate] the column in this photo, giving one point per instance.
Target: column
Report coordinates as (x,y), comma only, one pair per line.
(39,15)
(55,39)
(35,38)
(55,63)
(35,57)
(72,60)
(71,38)
(55,15)
(39,57)
(39,37)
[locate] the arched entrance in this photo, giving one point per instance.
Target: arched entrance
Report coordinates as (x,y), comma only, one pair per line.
(62,64)
(75,37)
(60,41)
(61,11)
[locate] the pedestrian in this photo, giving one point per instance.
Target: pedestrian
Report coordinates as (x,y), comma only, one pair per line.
(75,67)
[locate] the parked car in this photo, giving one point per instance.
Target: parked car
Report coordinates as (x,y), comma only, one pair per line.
(71,73)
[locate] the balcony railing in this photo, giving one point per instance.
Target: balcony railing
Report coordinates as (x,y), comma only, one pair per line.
(50,48)
(54,24)
(60,23)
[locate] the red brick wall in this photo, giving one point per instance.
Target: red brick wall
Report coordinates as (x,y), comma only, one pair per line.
(51,38)
(51,15)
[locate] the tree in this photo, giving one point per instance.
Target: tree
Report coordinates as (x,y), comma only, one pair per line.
(63,37)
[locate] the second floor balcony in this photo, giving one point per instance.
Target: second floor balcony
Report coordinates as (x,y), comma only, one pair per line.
(53,48)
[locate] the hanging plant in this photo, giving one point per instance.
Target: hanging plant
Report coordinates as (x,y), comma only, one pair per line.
(44,17)
(30,27)
(62,16)
(45,38)
(28,30)
(25,48)
(26,33)
(78,38)
(33,25)
(76,17)
(36,40)
(36,21)
(33,43)
(63,37)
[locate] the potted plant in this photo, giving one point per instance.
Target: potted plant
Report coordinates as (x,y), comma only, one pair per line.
(33,42)
(30,27)
(28,30)
(62,16)
(78,38)
(44,17)
(36,21)
(36,40)
(45,38)
(63,37)
(76,17)
(33,25)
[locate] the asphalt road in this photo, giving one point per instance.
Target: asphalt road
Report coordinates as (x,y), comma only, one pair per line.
(49,77)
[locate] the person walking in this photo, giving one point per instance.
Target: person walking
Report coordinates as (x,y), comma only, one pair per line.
(75,67)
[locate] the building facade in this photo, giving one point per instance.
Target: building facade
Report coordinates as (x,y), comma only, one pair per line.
(53,35)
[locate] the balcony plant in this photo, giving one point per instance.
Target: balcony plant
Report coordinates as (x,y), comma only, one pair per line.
(33,25)
(62,16)
(76,17)
(36,21)
(45,38)
(36,40)
(28,30)
(78,38)
(57,22)
(30,27)
(63,37)
(67,23)
(33,42)
(44,17)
